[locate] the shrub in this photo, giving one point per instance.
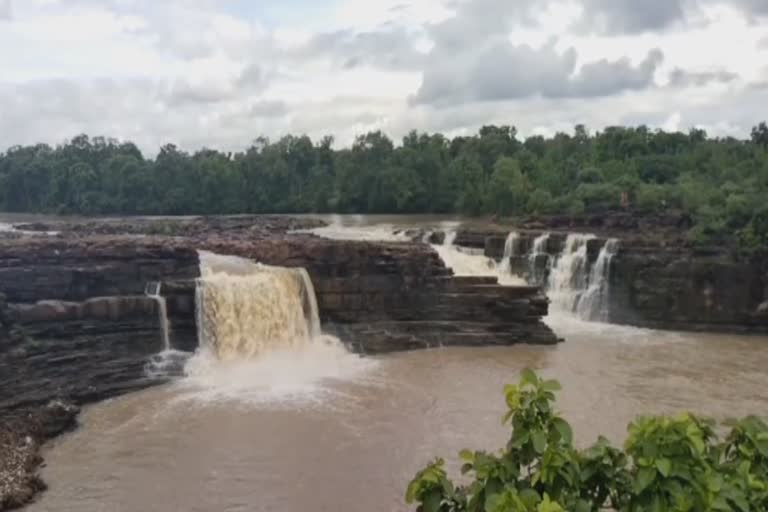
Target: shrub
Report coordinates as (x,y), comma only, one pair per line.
(668,464)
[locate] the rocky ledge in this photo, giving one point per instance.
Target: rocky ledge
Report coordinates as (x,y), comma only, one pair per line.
(22,433)
(657,279)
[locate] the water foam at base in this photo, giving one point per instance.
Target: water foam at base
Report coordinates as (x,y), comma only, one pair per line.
(260,338)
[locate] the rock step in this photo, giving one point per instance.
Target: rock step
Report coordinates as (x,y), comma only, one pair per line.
(382,337)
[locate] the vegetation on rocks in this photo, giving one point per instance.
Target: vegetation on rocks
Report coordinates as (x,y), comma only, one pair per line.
(668,464)
(721,183)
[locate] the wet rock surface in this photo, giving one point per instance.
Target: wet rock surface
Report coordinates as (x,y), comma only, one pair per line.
(22,433)
(76,323)
(657,279)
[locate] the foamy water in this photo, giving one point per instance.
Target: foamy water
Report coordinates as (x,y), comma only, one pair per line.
(307,375)
(260,338)
(377,233)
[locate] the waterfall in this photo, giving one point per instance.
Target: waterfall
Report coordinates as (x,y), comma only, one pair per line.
(573,287)
(153,289)
(539,252)
(595,301)
(260,337)
(255,309)
(450,238)
(569,276)
(510,251)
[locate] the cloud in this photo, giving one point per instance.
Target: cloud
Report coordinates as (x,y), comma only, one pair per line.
(392,48)
(6,10)
(208,73)
(475,21)
(752,7)
(505,71)
(629,16)
(268,108)
(682,78)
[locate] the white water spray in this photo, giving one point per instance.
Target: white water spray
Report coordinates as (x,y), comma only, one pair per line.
(467,262)
(576,290)
(260,335)
(569,276)
(594,303)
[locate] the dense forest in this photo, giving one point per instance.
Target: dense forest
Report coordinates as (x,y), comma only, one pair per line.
(722,183)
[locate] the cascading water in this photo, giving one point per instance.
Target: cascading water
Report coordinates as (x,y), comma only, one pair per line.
(594,303)
(154,290)
(510,251)
(168,362)
(245,309)
(245,316)
(450,238)
(575,289)
(473,262)
(539,260)
(569,276)
(260,336)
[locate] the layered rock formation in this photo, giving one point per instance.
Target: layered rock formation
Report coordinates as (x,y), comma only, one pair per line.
(81,327)
(656,278)
(383,297)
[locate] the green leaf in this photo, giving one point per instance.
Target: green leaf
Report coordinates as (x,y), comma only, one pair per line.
(664,466)
(762,446)
(549,506)
(529,377)
(467,455)
(530,498)
(539,439)
(432,501)
(645,477)
(551,385)
(564,429)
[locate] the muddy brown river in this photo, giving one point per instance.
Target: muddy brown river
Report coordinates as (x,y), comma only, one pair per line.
(329,431)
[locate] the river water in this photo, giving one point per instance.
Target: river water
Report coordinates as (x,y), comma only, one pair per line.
(325,430)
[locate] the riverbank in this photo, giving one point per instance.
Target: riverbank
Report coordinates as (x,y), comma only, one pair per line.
(22,434)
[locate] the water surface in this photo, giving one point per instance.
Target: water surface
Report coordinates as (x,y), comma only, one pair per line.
(353,439)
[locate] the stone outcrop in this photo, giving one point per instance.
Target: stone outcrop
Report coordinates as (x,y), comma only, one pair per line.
(22,433)
(236,226)
(689,290)
(84,330)
(80,325)
(657,279)
(383,297)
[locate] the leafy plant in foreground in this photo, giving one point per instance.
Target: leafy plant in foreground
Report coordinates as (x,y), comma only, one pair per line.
(668,464)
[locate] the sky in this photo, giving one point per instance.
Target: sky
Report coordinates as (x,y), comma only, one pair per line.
(220,73)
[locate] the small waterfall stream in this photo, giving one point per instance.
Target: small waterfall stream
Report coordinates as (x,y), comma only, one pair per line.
(510,251)
(570,274)
(575,288)
(538,271)
(594,302)
(473,262)
(154,290)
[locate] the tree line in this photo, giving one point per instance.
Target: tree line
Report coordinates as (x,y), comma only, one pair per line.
(722,183)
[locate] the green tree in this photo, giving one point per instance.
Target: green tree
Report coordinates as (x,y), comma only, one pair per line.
(509,187)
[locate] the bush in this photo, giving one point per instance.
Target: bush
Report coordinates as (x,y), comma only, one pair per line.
(540,201)
(599,198)
(674,464)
